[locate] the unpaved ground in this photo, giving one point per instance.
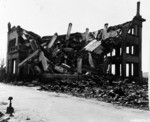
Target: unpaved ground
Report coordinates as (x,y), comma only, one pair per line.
(32,105)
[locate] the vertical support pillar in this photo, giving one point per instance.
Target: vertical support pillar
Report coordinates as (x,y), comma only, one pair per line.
(138,49)
(118,63)
(17,68)
(13,66)
(138,9)
(7,54)
(110,64)
(140,52)
(130,70)
(68,31)
(10,67)
(130,50)
(130,66)
(124,54)
(79,65)
(87,35)
(118,69)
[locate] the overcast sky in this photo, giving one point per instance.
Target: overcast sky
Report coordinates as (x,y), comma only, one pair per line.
(45,17)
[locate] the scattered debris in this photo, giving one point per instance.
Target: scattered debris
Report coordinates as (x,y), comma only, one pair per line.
(1,114)
(73,53)
(81,63)
(118,92)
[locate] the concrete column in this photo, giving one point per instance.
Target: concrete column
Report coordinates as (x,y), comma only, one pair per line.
(118,64)
(130,70)
(124,54)
(140,51)
(138,9)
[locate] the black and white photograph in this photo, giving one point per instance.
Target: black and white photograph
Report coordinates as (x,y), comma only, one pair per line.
(74,61)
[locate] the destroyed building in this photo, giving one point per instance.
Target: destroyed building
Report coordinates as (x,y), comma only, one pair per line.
(113,50)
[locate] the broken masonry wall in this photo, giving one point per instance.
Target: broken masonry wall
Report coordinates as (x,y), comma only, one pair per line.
(113,50)
(60,55)
(12,54)
(17,51)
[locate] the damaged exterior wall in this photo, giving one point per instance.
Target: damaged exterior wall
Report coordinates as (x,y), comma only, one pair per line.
(16,52)
(113,50)
(12,51)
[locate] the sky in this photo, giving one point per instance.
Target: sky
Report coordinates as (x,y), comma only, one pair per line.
(45,17)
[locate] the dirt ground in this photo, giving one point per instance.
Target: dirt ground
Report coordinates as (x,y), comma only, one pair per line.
(32,105)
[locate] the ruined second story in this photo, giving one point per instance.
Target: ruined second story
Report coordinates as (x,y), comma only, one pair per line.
(79,52)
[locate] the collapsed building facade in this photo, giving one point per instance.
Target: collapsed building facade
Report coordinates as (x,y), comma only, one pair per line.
(113,50)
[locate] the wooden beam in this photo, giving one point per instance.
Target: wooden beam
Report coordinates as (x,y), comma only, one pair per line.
(52,41)
(44,60)
(34,54)
(34,45)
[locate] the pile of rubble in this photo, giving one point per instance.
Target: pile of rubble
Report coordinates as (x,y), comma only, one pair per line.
(81,53)
(120,92)
(76,53)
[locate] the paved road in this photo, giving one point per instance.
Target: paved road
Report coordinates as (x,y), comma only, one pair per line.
(32,105)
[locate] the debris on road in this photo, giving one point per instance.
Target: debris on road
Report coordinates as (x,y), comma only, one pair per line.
(120,92)
(85,64)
